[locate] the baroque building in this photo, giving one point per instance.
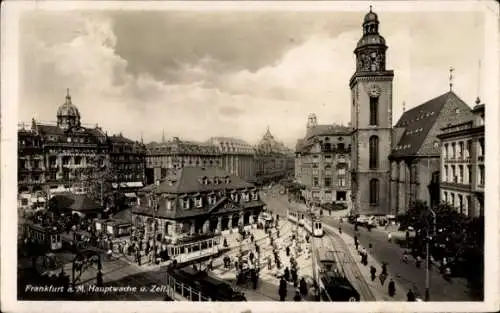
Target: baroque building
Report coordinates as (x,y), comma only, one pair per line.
(462,163)
(59,157)
(323,162)
(415,157)
(196,200)
(371,119)
(237,156)
(175,153)
(273,160)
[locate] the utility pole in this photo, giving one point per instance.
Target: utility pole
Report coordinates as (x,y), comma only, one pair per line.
(427,256)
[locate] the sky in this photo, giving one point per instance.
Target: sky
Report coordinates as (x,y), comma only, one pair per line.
(197,74)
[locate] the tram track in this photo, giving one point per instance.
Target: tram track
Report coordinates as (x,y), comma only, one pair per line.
(352,271)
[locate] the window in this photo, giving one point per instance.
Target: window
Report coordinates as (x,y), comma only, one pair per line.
(198,202)
(373,111)
(460,204)
(445,197)
(445,151)
(468,150)
(327,147)
(168,205)
(481,175)
(460,174)
(341,181)
(374,191)
(315,165)
(445,176)
(341,196)
(481,147)
(185,203)
(453,174)
(341,171)
(328,167)
(373,152)
(246,197)
(453,152)
(340,147)
(460,149)
(469,174)
(315,181)
(211,199)
(328,181)
(255,196)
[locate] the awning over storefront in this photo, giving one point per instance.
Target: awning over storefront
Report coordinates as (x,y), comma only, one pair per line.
(136,184)
(130,195)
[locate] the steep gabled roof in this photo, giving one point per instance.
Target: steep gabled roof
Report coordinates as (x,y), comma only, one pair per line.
(328,130)
(188,179)
(417,123)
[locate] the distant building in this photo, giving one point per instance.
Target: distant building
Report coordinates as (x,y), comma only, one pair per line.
(462,163)
(323,161)
(175,154)
(197,200)
(127,160)
(415,156)
(273,160)
(237,156)
(58,157)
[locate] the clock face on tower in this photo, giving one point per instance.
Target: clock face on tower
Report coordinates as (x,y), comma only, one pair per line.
(374,91)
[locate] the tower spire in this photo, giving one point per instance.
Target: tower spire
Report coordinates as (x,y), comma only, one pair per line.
(451,77)
(478,100)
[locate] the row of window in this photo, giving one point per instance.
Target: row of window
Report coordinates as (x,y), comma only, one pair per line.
(462,203)
(463,174)
(199,201)
(328,167)
(327,182)
(462,150)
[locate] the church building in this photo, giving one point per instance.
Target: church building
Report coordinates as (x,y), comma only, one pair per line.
(371,119)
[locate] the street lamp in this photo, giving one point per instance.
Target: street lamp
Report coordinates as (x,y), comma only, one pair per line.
(427,257)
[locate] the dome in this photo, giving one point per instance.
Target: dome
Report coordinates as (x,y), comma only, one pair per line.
(68,109)
(371,17)
(372,39)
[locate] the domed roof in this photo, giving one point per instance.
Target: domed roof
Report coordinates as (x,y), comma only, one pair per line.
(371,16)
(68,108)
(372,39)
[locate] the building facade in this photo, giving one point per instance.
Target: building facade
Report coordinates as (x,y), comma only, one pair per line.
(127,160)
(175,153)
(462,164)
(371,119)
(237,156)
(273,160)
(197,200)
(323,163)
(61,157)
(415,157)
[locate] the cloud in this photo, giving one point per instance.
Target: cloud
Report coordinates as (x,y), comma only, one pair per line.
(206,96)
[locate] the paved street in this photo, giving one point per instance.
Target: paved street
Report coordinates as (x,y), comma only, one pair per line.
(407,275)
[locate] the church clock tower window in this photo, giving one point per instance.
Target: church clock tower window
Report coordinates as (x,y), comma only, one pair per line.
(373,111)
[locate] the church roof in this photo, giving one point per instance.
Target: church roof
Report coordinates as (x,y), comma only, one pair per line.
(422,124)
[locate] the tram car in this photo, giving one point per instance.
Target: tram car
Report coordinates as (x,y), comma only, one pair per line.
(200,286)
(266,220)
(185,252)
(313,226)
(45,236)
(296,216)
(333,284)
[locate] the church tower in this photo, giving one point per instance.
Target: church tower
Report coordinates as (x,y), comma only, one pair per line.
(371,119)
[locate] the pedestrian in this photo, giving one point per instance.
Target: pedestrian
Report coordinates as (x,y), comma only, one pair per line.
(282,289)
(252,238)
(356,243)
(389,236)
(287,274)
(269,264)
(278,233)
(253,275)
(373,272)
(303,287)
(410,296)
(340,230)
(287,250)
(384,268)
(418,261)
(294,277)
(392,288)
(297,296)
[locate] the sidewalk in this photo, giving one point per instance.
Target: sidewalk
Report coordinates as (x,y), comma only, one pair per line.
(379,291)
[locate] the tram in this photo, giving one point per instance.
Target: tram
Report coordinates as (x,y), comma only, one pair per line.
(313,226)
(184,252)
(333,284)
(296,216)
(188,284)
(45,235)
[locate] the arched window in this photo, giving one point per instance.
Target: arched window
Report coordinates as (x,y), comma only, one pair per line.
(374,191)
(373,152)
(373,111)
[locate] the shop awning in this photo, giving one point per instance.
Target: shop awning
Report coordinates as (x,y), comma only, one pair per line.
(136,184)
(130,195)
